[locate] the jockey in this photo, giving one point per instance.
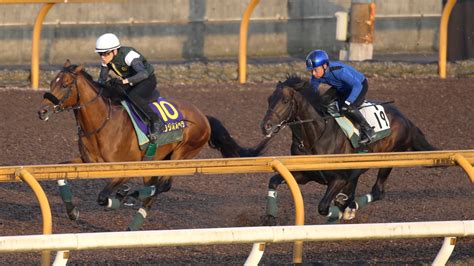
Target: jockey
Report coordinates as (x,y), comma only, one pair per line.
(134,71)
(348,87)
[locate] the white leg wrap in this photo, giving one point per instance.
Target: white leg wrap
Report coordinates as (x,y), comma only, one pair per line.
(369,198)
(272,193)
(142,212)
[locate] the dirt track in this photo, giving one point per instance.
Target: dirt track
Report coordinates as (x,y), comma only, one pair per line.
(443,109)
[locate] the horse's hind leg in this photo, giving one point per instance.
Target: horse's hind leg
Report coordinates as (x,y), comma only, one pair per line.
(148,195)
(378,190)
(156,185)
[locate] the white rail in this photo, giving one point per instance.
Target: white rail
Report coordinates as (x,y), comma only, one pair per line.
(239,235)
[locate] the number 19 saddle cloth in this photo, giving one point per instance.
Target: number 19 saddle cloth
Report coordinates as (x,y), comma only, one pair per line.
(375,116)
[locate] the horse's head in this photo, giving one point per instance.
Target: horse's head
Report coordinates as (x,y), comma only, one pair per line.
(282,105)
(63,94)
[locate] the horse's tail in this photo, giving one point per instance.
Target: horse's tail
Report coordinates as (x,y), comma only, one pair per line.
(221,140)
(420,143)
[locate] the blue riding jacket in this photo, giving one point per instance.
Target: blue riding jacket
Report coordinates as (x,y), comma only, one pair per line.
(344,78)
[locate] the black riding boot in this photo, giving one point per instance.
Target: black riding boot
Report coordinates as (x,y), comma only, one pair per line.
(356,116)
(156,125)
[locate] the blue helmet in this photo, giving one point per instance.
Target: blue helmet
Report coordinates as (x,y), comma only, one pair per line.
(316,58)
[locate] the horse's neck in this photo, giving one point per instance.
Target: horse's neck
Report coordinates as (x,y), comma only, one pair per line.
(307,112)
(314,129)
(93,109)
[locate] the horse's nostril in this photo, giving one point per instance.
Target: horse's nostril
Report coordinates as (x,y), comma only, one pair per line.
(43,114)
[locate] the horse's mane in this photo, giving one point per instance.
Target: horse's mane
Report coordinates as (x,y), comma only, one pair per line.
(98,87)
(72,68)
(304,88)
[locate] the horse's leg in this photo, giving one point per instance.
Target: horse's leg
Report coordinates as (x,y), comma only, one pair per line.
(148,195)
(271,217)
(66,193)
(333,213)
(155,185)
(378,190)
(345,200)
(113,202)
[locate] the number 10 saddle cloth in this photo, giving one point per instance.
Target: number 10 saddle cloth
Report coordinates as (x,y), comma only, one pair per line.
(168,113)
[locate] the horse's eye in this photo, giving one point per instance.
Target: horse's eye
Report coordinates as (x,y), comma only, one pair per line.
(64,85)
(285,101)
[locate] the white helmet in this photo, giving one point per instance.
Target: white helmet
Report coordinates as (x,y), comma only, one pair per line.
(107,42)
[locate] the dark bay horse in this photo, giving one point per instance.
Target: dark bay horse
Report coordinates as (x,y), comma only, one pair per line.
(106,134)
(295,104)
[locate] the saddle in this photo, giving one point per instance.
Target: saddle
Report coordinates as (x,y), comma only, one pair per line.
(373,113)
(168,113)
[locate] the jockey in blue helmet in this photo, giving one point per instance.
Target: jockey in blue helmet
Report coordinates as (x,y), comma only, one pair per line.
(348,87)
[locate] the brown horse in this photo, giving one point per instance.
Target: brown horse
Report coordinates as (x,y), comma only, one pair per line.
(106,134)
(295,104)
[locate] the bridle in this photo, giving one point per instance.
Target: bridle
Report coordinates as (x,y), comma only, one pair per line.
(293,120)
(58,104)
(288,121)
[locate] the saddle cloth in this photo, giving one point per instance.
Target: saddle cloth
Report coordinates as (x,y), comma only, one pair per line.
(375,116)
(168,113)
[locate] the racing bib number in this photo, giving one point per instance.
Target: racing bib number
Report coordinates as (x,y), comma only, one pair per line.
(375,116)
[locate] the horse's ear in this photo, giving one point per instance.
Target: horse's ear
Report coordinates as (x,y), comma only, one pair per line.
(68,63)
(79,68)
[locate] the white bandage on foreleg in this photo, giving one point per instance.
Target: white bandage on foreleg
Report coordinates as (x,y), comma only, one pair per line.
(272,193)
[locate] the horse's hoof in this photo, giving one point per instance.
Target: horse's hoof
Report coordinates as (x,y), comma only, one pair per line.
(349,214)
(73,214)
(269,220)
(122,192)
(103,200)
(129,202)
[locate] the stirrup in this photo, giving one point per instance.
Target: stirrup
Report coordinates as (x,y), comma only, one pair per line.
(153,137)
(367,139)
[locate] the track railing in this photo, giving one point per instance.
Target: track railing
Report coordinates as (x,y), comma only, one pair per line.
(236,235)
(281,164)
(463,158)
